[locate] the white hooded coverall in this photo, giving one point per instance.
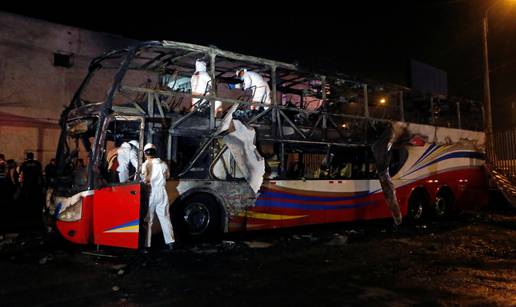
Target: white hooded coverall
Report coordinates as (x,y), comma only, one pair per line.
(126,155)
(261,90)
(201,83)
(158,199)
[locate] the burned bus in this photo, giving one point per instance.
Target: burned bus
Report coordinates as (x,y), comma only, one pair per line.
(306,154)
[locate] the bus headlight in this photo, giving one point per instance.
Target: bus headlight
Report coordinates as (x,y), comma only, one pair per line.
(72,213)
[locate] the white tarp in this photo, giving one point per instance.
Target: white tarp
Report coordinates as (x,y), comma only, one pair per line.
(240,143)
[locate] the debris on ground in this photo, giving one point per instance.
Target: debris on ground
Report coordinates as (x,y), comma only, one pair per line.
(198,250)
(338,240)
(43,260)
(257,244)
(117,267)
(228,243)
(98,254)
(11,235)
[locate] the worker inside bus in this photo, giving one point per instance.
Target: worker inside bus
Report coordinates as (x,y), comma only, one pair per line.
(201,85)
(122,161)
(254,82)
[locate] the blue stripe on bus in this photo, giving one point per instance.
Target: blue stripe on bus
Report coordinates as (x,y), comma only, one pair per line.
(427,152)
(458,154)
(269,194)
(277,204)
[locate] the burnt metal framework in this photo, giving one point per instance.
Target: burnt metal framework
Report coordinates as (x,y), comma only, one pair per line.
(342,116)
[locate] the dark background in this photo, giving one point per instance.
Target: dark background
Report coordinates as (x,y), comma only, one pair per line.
(373,39)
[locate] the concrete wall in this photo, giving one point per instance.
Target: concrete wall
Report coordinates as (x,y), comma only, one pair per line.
(33,91)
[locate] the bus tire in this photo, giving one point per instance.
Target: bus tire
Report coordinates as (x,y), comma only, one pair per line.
(197,217)
(443,204)
(417,206)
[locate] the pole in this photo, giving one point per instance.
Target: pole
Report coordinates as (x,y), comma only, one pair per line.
(366,101)
(488,119)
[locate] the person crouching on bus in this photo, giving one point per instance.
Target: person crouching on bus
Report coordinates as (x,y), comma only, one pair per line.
(155,173)
(255,82)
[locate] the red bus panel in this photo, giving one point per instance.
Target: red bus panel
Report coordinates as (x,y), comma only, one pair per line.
(116,215)
(79,231)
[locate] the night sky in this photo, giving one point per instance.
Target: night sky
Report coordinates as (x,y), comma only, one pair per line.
(373,39)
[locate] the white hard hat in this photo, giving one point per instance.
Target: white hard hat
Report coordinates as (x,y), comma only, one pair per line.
(237,73)
(149,146)
(135,143)
(200,65)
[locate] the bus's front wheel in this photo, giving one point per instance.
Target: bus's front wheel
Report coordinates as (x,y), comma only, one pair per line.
(197,217)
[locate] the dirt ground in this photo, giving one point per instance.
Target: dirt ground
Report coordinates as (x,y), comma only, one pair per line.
(467,260)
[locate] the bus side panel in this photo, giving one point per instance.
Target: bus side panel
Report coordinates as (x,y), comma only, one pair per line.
(79,231)
(280,206)
(472,189)
(116,215)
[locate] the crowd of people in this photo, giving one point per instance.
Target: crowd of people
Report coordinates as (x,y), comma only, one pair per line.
(23,187)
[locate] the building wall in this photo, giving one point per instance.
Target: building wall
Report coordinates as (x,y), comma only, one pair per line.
(33,91)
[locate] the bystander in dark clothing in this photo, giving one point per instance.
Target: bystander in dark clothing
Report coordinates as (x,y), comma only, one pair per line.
(51,173)
(81,175)
(12,181)
(31,183)
(3,167)
(3,181)
(11,212)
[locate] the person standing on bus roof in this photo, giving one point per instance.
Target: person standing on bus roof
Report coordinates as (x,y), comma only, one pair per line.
(127,158)
(255,82)
(155,173)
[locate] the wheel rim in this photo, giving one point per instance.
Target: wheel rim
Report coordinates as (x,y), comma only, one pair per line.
(417,209)
(440,205)
(197,217)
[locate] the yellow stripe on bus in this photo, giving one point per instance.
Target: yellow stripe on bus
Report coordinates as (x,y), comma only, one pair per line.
(274,217)
(124,229)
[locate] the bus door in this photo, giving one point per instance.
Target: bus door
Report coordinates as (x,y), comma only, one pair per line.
(117,206)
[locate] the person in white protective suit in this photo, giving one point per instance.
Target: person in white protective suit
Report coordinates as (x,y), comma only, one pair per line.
(201,84)
(127,155)
(255,82)
(155,173)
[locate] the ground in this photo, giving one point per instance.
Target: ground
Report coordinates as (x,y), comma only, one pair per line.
(467,260)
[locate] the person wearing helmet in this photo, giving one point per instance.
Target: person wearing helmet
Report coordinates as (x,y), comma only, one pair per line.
(155,173)
(254,81)
(201,84)
(127,160)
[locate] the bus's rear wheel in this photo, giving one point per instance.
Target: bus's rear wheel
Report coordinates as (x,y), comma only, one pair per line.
(197,217)
(417,206)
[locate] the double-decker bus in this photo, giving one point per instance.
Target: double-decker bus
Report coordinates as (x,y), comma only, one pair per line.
(303,157)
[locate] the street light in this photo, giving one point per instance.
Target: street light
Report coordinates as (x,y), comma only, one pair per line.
(488,118)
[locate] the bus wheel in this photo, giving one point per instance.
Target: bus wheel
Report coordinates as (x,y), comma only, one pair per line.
(443,203)
(417,206)
(197,217)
